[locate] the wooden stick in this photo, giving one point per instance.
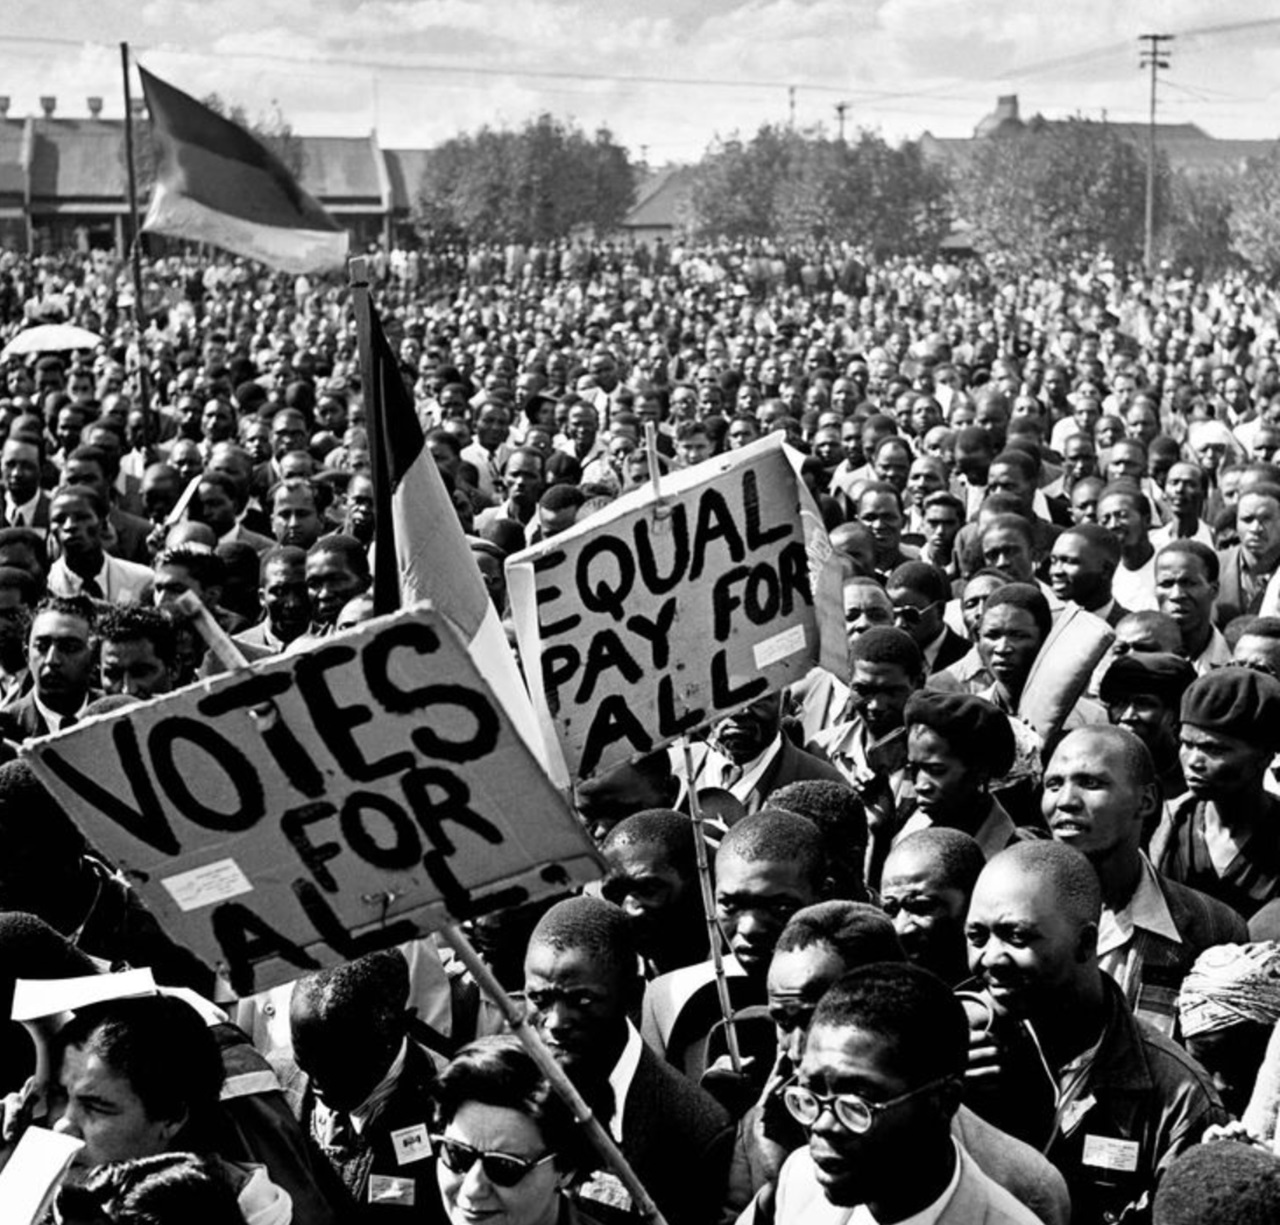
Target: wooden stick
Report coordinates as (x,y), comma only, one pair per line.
(565,1089)
(228,654)
(709,910)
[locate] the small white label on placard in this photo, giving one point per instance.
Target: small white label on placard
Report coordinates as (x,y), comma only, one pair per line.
(1110,1153)
(207,884)
(779,646)
(411,1143)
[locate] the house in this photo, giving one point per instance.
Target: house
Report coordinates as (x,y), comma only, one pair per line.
(64,181)
(663,207)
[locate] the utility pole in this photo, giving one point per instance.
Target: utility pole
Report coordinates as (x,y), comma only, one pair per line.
(841,108)
(1155,55)
(791,106)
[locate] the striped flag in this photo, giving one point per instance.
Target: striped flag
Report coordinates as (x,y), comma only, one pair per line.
(420,551)
(216,183)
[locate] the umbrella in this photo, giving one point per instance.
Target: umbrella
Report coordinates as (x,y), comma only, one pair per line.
(50,338)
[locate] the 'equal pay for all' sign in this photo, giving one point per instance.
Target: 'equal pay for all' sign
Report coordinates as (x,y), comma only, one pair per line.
(321,805)
(663,613)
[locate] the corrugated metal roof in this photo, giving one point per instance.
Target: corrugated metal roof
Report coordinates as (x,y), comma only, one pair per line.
(341,168)
(663,199)
(405,168)
(78,159)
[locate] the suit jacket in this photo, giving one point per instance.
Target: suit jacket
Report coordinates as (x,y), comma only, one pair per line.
(372,1153)
(1202,922)
(789,765)
(678,1139)
(128,536)
(953,649)
(23,720)
(40,519)
(127,582)
(1232,602)
(977,1200)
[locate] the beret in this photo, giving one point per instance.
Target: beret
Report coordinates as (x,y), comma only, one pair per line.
(977,730)
(1158,673)
(1238,702)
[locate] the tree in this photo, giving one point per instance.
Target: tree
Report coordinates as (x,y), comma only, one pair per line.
(531,185)
(1255,217)
(1057,190)
(803,185)
(1197,230)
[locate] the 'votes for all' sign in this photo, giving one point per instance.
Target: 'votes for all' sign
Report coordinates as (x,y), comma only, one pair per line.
(660,614)
(321,805)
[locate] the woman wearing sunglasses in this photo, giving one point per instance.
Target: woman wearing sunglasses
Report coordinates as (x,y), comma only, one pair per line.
(507,1149)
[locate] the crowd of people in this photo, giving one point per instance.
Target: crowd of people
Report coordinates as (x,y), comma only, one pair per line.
(982,964)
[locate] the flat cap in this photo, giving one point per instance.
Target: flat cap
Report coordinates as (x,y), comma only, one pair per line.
(977,730)
(1158,673)
(1237,702)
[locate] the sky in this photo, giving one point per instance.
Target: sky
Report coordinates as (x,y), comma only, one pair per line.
(667,77)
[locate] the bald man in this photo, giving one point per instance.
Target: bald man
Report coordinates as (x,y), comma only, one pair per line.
(1128,1100)
(1100,794)
(927,883)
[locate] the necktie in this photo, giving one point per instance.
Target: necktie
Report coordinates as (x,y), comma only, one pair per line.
(92,588)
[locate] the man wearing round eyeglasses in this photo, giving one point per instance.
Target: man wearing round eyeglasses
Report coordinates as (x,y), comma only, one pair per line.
(876,1092)
(919,594)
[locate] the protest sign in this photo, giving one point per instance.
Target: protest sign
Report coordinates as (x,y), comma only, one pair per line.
(670,610)
(321,805)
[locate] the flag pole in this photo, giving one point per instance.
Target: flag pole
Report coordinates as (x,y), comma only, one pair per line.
(135,251)
(564,1088)
(386,581)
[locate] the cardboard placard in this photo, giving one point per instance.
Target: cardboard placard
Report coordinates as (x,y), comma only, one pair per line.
(321,805)
(661,614)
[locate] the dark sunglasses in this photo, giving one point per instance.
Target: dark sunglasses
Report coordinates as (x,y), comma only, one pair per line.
(909,614)
(501,1169)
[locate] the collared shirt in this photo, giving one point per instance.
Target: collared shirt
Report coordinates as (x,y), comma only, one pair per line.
(1215,655)
(325,1119)
(13,684)
(928,1215)
(621,1078)
(740,778)
(1146,909)
(848,747)
(24,515)
(993,835)
(53,720)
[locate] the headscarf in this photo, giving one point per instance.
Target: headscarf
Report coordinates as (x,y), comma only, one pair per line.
(1230,984)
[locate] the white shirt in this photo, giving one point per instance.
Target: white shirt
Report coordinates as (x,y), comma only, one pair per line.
(620,1079)
(1136,589)
(24,515)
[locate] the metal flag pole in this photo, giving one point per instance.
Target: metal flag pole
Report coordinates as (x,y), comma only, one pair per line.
(135,252)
